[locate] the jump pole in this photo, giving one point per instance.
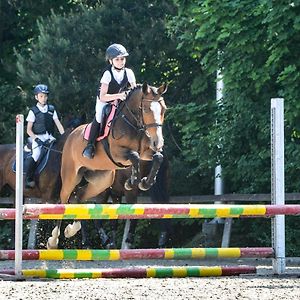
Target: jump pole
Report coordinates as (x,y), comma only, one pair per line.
(138,272)
(277,183)
(19,195)
(138,254)
(147,211)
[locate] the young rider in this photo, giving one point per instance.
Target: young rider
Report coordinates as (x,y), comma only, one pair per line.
(114,79)
(40,127)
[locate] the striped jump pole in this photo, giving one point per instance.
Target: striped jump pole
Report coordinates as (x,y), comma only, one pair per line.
(148,211)
(140,272)
(131,254)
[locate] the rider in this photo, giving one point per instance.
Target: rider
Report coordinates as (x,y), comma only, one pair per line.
(40,127)
(115,78)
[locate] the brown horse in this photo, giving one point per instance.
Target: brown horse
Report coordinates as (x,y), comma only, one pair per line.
(136,133)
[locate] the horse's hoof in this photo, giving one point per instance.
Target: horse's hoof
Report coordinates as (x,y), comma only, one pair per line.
(55,232)
(52,243)
(110,245)
(143,186)
(72,229)
(127,246)
(128,185)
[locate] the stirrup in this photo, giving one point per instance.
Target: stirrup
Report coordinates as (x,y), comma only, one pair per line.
(89,152)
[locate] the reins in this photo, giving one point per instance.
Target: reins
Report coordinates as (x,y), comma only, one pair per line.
(140,124)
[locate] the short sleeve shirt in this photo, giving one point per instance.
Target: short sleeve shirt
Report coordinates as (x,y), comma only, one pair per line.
(118,75)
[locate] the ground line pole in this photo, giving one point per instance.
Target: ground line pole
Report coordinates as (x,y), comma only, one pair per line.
(19,195)
(277,183)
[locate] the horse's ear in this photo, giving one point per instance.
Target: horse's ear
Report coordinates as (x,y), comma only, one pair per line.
(145,88)
(162,89)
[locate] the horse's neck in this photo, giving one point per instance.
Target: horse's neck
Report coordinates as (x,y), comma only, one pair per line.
(132,105)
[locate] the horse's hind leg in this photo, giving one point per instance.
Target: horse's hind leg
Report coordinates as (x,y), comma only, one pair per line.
(98,181)
(53,240)
(70,178)
(69,181)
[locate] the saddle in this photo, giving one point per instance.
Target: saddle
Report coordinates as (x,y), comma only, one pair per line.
(42,161)
(108,114)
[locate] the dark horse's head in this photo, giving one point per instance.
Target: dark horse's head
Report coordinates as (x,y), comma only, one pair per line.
(146,108)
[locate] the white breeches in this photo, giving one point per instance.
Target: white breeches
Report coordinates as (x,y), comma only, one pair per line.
(36,149)
(99,108)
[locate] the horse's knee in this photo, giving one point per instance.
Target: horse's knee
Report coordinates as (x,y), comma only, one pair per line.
(158,157)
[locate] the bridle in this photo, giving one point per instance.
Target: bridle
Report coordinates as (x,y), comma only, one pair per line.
(140,125)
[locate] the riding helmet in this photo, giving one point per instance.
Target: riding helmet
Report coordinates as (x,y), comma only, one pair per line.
(41,88)
(115,50)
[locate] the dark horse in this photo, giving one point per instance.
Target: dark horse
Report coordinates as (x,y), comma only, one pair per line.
(48,185)
(48,182)
(136,134)
(159,193)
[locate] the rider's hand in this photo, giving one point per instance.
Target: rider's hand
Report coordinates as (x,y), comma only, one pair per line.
(39,142)
(123,96)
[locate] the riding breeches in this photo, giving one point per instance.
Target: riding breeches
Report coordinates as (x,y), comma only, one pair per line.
(99,109)
(36,149)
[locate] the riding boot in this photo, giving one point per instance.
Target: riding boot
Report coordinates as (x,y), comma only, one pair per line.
(89,150)
(29,180)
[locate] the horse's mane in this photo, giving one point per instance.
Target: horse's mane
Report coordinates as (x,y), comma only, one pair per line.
(132,90)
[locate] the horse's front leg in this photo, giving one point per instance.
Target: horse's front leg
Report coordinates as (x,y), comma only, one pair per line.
(148,181)
(134,179)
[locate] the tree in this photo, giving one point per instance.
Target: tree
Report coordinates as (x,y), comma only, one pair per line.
(254,43)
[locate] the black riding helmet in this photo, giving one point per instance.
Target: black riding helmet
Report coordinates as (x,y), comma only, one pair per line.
(41,88)
(114,51)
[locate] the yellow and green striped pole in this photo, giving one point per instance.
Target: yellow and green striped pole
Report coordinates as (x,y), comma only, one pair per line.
(140,272)
(131,254)
(148,211)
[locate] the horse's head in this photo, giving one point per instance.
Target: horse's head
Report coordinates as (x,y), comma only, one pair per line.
(147,108)
(153,110)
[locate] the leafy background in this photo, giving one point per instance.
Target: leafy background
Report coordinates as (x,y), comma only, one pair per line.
(254,43)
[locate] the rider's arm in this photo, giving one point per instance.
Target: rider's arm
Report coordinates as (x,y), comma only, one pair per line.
(29,130)
(59,126)
(105,97)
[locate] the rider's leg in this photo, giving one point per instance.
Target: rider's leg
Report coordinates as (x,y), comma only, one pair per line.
(89,150)
(29,180)
(36,152)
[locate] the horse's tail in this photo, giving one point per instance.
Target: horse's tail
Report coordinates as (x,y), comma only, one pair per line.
(159,192)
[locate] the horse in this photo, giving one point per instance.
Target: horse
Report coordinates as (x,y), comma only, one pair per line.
(48,181)
(135,134)
(159,193)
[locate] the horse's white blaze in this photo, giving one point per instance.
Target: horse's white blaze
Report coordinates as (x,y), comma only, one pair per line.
(156,109)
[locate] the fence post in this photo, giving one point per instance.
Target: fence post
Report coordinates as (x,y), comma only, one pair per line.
(277,182)
(19,195)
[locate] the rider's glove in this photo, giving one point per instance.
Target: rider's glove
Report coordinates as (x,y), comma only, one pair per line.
(39,142)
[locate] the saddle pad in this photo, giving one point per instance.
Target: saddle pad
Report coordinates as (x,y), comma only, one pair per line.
(41,163)
(107,124)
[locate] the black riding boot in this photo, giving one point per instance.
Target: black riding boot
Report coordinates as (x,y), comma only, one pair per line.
(89,150)
(29,180)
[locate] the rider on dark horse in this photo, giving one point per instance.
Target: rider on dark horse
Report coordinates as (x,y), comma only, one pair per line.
(114,79)
(40,127)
